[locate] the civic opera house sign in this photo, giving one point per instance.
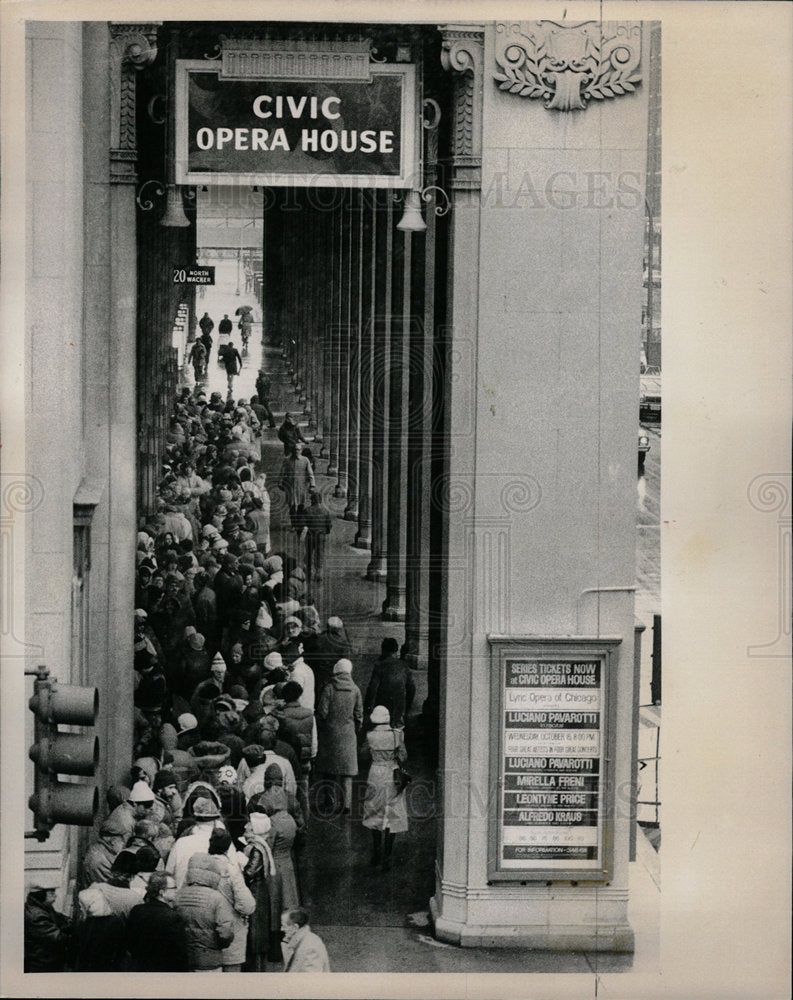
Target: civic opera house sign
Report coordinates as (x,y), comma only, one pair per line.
(290,113)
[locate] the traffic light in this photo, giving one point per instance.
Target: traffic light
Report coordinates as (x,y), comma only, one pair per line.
(55,752)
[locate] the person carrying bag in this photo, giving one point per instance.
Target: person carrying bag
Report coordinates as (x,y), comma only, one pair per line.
(384,807)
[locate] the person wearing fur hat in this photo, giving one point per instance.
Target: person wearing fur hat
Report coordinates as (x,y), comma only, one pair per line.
(256,759)
(384,807)
(206,815)
(339,719)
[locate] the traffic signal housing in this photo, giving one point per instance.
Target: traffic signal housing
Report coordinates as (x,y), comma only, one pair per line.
(58,753)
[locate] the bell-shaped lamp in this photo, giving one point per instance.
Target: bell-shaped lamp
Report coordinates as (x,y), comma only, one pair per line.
(412,220)
(174,209)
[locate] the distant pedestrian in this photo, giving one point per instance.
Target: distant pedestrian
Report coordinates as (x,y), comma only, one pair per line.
(207,325)
(290,434)
(303,950)
(198,358)
(225,326)
(297,482)
(232,362)
(318,522)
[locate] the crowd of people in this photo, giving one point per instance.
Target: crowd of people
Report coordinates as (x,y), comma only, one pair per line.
(248,724)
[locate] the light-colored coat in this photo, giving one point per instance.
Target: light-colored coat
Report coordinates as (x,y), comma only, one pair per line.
(339,717)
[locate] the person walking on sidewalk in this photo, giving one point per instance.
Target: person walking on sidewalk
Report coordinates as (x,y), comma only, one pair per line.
(290,434)
(198,358)
(391,684)
(207,325)
(297,482)
(384,807)
(318,522)
(224,333)
(233,364)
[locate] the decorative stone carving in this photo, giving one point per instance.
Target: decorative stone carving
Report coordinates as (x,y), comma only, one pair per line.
(462,52)
(132,47)
(568,64)
(279,59)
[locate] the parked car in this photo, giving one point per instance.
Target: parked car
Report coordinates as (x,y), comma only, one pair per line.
(644,447)
(650,393)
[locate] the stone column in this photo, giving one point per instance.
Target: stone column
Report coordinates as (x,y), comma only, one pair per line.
(396,532)
(345,261)
(384,242)
(354,367)
(363,537)
(449,679)
(334,341)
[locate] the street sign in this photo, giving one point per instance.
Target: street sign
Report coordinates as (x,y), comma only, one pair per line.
(194,275)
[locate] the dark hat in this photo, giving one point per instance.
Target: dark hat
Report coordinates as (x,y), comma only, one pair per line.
(163,778)
(291,691)
(125,863)
(253,754)
(147,858)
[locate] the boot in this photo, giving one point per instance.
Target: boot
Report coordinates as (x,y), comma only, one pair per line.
(377,846)
(387,849)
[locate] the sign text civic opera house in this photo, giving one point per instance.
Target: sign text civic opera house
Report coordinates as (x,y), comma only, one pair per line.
(322,132)
(550,707)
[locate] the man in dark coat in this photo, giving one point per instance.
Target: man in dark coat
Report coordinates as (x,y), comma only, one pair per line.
(232,362)
(156,937)
(318,521)
(225,326)
(322,651)
(290,434)
(48,935)
(391,684)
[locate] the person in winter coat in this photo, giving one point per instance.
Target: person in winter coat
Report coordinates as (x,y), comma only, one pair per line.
(155,933)
(290,434)
(258,522)
(298,727)
(391,684)
(238,896)
(232,362)
(48,935)
(339,717)
(207,817)
(303,950)
(297,482)
(384,807)
(259,875)
(208,917)
(117,892)
(99,935)
(99,857)
(282,838)
(324,650)
(318,522)
(257,758)
(273,783)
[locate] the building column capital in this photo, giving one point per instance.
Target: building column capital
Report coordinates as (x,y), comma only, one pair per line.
(462,52)
(133,46)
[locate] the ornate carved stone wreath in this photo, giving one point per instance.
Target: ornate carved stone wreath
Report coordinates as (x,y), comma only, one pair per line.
(567,65)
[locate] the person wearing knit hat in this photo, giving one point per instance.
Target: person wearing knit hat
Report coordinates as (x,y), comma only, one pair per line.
(339,718)
(384,807)
(166,789)
(273,661)
(141,794)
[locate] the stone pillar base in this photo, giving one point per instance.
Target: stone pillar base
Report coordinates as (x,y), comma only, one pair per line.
(363,540)
(376,569)
(351,510)
(603,937)
(393,610)
(340,492)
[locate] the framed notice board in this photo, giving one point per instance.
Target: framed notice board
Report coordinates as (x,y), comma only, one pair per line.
(552,712)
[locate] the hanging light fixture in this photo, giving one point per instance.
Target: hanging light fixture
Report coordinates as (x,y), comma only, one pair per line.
(412,220)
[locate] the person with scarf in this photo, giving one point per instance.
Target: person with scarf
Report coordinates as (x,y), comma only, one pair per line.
(259,874)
